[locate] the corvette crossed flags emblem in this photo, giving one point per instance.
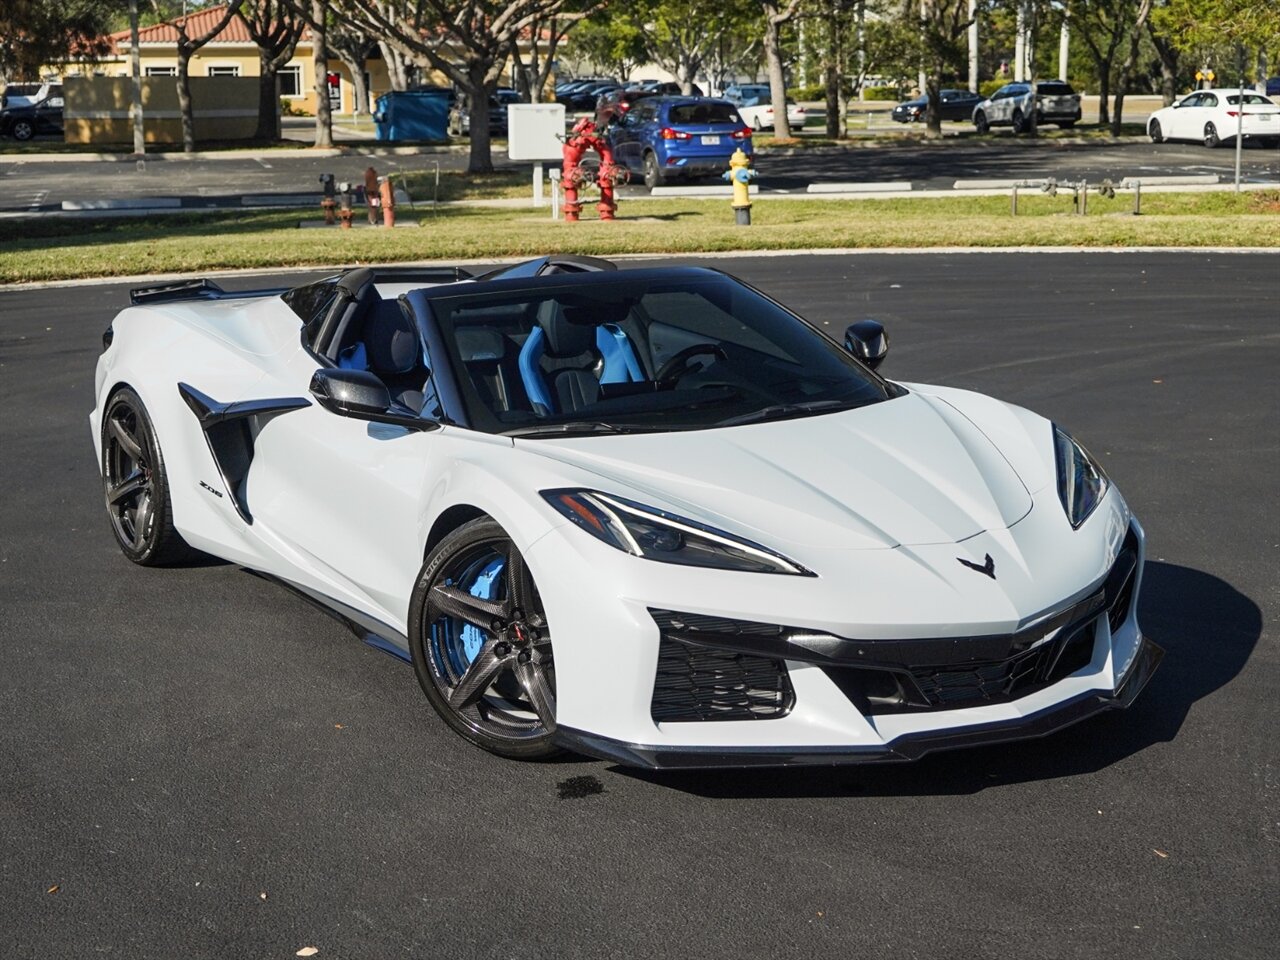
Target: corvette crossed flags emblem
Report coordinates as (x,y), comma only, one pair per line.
(989,568)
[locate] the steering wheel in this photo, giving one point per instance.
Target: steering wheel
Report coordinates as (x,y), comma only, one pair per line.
(678,365)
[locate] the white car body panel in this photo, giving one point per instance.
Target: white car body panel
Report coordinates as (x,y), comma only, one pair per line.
(881,502)
(1187,119)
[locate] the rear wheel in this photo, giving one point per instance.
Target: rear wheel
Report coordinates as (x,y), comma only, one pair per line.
(1019,122)
(1155,133)
(23,130)
(1211,138)
(981,123)
(652,171)
(136,485)
(481,644)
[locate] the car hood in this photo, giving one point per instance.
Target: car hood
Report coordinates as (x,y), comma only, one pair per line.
(907,471)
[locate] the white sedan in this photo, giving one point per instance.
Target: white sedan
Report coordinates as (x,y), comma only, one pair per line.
(1213,117)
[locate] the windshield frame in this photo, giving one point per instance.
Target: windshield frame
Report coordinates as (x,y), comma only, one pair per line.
(453,381)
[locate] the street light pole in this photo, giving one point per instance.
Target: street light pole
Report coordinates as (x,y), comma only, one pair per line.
(135,56)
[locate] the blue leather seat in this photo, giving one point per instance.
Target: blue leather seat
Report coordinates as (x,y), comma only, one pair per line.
(563,363)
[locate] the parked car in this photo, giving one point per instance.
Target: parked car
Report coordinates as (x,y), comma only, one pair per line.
(587,97)
(955,105)
(1212,117)
(460,113)
(669,137)
(614,104)
(755,106)
(1273,86)
(667,88)
(1011,105)
(26,121)
(29,94)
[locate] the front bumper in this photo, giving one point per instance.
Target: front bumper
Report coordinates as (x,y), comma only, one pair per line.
(907,747)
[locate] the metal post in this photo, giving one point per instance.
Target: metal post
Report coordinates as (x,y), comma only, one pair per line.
(537,184)
(1137,197)
(1015,200)
(555,193)
(1239,128)
(1084,197)
(135,68)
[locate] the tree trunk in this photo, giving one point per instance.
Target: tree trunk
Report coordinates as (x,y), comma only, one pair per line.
(320,62)
(184,99)
(478,91)
(268,99)
(359,89)
(1104,94)
(1168,55)
(395,66)
(777,82)
(684,76)
(1126,69)
(933,112)
(832,79)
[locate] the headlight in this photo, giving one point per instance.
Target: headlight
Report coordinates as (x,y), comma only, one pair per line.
(657,535)
(1081,481)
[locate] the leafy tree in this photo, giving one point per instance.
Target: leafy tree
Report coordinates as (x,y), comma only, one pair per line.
(38,32)
(466,40)
(187,46)
(611,42)
(1222,33)
(276,28)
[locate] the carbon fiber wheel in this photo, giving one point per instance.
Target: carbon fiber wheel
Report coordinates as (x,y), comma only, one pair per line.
(481,644)
(136,487)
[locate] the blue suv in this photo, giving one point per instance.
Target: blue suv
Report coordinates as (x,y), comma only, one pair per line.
(670,137)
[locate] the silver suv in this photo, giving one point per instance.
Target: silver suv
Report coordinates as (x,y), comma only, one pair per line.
(1010,106)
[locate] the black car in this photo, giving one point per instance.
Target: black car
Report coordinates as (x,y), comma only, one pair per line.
(617,102)
(24,122)
(956,105)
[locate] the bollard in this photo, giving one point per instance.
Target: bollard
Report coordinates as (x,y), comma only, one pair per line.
(1015,200)
(344,210)
(1137,197)
(740,175)
(371,194)
(329,201)
(387,195)
(1084,197)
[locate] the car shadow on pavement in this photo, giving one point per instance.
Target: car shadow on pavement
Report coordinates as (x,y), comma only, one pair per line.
(1208,630)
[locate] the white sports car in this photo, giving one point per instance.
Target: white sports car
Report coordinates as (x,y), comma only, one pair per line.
(647,515)
(1213,117)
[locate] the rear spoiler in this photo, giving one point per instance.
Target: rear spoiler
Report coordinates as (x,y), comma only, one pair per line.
(206,289)
(201,289)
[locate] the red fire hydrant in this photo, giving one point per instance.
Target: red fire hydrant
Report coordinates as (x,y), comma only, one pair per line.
(371,194)
(574,176)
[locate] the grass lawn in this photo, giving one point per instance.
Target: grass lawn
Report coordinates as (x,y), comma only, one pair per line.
(54,248)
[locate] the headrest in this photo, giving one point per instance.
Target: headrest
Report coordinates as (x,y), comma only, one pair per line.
(564,338)
(391,339)
(479,344)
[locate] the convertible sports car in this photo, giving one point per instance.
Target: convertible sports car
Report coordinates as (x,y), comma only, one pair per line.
(647,515)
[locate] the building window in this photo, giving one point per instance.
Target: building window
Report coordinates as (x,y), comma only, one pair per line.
(291,81)
(161,71)
(231,71)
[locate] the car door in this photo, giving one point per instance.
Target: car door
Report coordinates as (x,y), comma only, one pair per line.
(339,498)
(998,110)
(1185,115)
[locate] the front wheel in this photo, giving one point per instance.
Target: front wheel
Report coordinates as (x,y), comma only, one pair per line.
(1211,138)
(1155,133)
(481,643)
(23,130)
(136,485)
(1019,122)
(981,123)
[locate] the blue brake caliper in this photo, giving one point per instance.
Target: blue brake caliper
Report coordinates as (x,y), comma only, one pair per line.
(483,586)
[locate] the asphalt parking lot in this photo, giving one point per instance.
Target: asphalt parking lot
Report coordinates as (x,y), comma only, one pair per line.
(198,764)
(274,176)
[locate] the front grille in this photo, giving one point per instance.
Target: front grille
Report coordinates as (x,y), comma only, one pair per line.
(699,683)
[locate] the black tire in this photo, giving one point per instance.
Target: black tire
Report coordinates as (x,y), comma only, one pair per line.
(652,171)
(1066,124)
(1211,138)
(1154,132)
(23,130)
(136,486)
(1019,122)
(981,123)
(492,682)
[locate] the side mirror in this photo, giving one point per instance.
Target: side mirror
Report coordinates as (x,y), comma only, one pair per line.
(867,341)
(360,395)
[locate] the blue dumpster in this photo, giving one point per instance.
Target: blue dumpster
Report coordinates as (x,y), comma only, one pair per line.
(412,115)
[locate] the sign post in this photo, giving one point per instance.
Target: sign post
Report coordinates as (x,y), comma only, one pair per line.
(535,132)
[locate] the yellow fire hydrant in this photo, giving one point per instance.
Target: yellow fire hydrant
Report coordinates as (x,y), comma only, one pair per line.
(740,174)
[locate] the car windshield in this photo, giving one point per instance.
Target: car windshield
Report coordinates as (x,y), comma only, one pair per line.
(713,111)
(648,353)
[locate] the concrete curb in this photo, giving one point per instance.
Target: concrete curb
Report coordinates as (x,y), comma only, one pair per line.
(284,153)
(711,255)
